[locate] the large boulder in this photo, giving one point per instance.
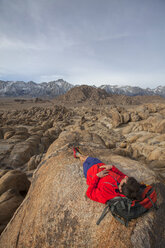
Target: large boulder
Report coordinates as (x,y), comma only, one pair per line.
(116,118)
(135,117)
(14,179)
(126,117)
(9,202)
(5,149)
(56,212)
(143,114)
(23,151)
(34,161)
(161,127)
(14,186)
(154,123)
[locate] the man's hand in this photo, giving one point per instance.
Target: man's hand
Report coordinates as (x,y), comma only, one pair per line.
(107,166)
(102,173)
(124,180)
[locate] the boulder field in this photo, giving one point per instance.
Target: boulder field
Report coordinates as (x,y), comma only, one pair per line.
(134,132)
(27,133)
(137,132)
(57,213)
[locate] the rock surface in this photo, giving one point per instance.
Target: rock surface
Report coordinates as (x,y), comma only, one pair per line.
(14,186)
(56,212)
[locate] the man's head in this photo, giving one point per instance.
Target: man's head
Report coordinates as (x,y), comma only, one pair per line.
(130,188)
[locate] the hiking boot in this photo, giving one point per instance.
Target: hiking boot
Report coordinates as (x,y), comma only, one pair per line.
(76,152)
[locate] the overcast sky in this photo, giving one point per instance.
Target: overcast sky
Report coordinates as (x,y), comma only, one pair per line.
(83,41)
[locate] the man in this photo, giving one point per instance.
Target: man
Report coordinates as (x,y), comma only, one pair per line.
(106,181)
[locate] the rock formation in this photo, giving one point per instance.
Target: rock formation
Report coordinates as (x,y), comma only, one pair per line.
(87,96)
(14,186)
(56,212)
(27,133)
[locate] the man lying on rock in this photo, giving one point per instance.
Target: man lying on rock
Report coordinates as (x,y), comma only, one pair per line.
(106,181)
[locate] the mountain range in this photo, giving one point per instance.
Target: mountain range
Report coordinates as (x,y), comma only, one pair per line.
(32,89)
(60,87)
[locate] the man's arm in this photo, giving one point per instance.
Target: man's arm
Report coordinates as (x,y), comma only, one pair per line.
(113,168)
(93,192)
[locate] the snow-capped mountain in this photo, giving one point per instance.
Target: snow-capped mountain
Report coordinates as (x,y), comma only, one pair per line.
(20,88)
(133,91)
(60,87)
(160,90)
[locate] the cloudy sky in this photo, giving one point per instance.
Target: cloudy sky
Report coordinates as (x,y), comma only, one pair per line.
(83,41)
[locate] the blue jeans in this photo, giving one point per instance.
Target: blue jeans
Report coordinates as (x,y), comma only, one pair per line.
(89,162)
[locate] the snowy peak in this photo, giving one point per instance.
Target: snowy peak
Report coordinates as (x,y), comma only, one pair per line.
(32,89)
(60,87)
(133,91)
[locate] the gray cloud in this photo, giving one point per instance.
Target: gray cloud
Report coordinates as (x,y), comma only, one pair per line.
(88,41)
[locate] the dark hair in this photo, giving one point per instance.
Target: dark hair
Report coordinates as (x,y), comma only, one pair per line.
(131,189)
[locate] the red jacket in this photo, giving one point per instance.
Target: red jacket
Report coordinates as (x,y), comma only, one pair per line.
(105,188)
